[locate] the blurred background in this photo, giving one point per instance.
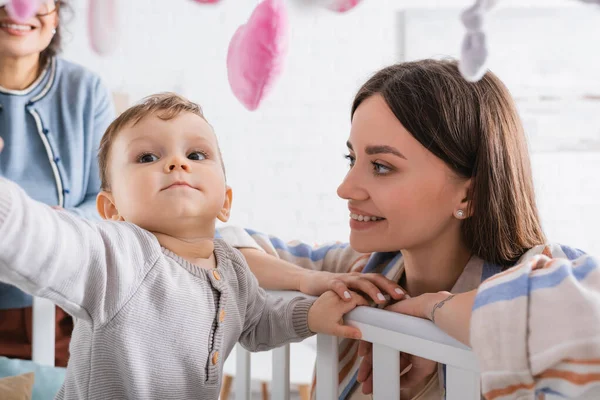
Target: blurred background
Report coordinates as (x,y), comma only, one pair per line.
(284,161)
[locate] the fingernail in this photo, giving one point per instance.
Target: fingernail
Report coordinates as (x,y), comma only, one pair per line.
(380,297)
(399,291)
(407,296)
(347,295)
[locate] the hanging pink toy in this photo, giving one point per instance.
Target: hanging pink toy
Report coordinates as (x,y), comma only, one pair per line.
(22,10)
(257,52)
(340,5)
(102,26)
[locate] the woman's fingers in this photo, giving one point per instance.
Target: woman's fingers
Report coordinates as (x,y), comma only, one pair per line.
(388,286)
(364,348)
(367,386)
(340,289)
(367,287)
(365,368)
(414,306)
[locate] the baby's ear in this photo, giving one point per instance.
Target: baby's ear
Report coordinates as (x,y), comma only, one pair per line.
(226,210)
(106,206)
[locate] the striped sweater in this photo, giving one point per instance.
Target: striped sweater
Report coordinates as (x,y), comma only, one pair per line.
(341,258)
(536,330)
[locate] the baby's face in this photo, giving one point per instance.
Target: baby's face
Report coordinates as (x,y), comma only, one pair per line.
(167,174)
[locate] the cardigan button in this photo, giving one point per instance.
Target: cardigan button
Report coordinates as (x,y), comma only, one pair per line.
(216,275)
(215,358)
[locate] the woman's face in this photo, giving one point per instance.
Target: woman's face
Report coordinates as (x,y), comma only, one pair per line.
(408,195)
(22,39)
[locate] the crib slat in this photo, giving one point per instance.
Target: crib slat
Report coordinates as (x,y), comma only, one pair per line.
(462,384)
(386,373)
(242,373)
(281,373)
(327,367)
(42,346)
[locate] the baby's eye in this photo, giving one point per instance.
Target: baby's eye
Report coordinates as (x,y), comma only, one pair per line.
(147,158)
(197,156)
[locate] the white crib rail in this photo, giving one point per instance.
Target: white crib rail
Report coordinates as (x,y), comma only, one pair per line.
(390,333)
(42,346)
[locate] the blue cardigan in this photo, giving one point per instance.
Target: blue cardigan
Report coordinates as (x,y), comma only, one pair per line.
(51,133)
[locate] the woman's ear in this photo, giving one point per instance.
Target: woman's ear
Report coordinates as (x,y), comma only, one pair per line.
(226,210)
(465,205)
(106,207)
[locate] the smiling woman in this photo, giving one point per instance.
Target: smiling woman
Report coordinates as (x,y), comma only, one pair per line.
(52,116)
(440,196)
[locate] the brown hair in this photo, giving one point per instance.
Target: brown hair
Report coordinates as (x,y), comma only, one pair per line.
(165,106)
(55,45)
(475,129)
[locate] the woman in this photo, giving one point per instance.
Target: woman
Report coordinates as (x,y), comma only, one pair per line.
(440,196)
(52,116)
(535,328)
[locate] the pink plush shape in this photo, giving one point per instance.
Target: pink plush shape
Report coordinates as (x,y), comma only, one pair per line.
(341,5)
(257,52)
(102,26)
(22,10)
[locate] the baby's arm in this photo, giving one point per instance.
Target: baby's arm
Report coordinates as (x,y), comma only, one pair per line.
(88,269)
(272,321)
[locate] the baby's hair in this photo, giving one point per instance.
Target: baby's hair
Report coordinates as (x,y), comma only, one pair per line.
(165,106)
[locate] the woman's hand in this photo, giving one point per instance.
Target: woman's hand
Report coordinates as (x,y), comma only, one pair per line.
(422,306)
(410,378)
(315,283)
(451,313)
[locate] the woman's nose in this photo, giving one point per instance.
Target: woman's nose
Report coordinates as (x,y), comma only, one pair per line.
(351,188)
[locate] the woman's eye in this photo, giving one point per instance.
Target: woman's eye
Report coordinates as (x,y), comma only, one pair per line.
(147,158)
(351,160)
(380,169)
(197,156)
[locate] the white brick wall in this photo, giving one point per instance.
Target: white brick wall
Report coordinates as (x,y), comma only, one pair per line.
(285,160)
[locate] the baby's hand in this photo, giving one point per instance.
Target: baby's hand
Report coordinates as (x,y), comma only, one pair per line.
(325,315)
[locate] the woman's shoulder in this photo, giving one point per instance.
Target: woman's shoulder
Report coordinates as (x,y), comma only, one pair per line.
(73,75)
(553,250)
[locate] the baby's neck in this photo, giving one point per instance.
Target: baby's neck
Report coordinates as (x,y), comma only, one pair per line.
(196,250)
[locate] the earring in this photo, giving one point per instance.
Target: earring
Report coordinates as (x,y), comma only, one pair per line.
(53,32)
(460,214)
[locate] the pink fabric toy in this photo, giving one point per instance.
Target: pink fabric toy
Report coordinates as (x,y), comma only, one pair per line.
(22,10)
(340,5)
(102,26)
(256,53)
